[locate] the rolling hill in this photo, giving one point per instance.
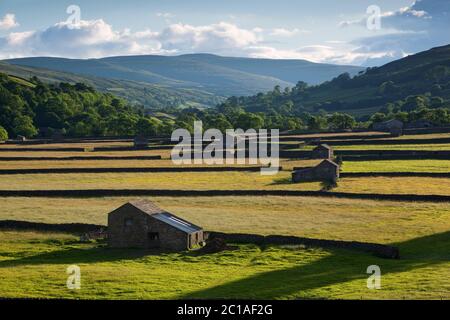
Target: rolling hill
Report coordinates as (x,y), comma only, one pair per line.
(151,96)
(424,74)
(222,76)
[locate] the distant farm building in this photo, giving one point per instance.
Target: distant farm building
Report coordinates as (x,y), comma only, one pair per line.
(326,171)
(394,127)
(141,142)
(322,151)
(419,124)
(21,139)
(142,224)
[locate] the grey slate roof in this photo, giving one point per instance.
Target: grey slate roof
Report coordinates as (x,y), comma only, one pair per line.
(323,146)
(156,212)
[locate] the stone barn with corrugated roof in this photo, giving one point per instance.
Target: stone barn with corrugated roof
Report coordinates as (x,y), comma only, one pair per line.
(142,224)
(322,151)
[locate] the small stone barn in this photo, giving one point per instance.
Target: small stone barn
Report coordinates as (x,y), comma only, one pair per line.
(141,142)
(322,151)
(142,224)
(326,171)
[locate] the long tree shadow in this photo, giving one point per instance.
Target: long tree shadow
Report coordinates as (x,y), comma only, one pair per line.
(337,268)
(81,255)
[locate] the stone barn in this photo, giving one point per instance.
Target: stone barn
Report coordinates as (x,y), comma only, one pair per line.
(322,151)
(326,171)
(142,224)
(141,142)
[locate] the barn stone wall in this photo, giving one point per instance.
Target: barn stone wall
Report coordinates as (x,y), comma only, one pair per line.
(121,236)
(323,172)
(145,232)
(322,153)
(169,237)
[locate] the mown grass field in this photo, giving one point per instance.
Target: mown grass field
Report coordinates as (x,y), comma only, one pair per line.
(313,217)
(431,147)
(220,181)
(287,164)
(165,154)
(387,147)
(33,264)
(397,166)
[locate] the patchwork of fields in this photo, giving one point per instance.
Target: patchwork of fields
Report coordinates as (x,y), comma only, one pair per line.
(33,264)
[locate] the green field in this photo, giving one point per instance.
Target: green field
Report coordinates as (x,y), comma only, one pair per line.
(397,166)
(430,147)
(387,147)
(324,218)
(219,181)
(33,264)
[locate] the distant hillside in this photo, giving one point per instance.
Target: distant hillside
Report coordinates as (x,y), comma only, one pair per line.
(221,76)
(397,84)
(150,95)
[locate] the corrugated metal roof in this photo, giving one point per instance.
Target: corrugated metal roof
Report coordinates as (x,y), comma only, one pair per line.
(154,211)
(176,222)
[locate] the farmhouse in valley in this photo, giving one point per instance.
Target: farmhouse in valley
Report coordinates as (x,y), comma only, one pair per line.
(326,171)
(142,224)
(322,151)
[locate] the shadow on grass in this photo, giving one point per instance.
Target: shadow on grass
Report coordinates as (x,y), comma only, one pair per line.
(82,255)
(337,268)
(340,267)
(281,181)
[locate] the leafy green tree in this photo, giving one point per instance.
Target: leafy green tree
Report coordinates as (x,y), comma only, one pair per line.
(3,134)
(250,121)
(317,123)
(147,127)
(341,121)
(23,125)
(378,117)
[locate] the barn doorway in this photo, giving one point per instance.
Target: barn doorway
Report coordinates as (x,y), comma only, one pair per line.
(153,236)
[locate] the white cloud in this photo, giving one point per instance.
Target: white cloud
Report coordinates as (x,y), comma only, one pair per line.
(282,32)
(222,37)
(166,15)
(8,22)
(420,26)
(87,39)
(96,38)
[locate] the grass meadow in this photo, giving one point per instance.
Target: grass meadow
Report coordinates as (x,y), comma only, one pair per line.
(33,264)
(219,181)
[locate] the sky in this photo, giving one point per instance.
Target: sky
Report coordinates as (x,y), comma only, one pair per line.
(357,32)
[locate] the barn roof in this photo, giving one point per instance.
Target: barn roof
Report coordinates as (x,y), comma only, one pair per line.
(328,162)
(156,212)
(323,146)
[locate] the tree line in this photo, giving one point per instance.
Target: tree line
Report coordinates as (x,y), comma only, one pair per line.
(76,110)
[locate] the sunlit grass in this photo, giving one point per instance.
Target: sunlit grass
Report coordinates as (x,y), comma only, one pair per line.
(343,219)
(36,268)
(397,166)
(219,181)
